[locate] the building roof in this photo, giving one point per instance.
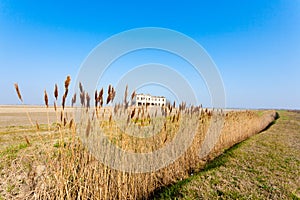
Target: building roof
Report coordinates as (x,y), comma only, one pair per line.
(151,95)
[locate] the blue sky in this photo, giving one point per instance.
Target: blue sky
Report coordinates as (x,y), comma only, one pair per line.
(254,43)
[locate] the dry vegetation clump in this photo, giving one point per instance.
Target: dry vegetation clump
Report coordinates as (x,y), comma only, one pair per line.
(266,166)
(67,167)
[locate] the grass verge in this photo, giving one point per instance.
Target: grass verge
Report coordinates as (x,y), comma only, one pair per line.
(266,166)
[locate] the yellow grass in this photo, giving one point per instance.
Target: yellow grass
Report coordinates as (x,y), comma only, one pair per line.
(63,167)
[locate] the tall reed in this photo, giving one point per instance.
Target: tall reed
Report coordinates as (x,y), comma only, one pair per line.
(74,171)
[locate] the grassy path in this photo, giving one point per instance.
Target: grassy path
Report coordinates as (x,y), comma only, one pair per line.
(266,166)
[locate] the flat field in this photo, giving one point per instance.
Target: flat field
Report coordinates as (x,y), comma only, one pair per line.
(15,123)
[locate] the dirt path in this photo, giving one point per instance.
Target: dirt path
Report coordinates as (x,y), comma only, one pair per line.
(266,166)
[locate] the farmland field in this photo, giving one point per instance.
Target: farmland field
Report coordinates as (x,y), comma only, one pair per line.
(46,160)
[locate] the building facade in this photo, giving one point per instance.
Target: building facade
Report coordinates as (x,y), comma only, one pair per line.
(147,99)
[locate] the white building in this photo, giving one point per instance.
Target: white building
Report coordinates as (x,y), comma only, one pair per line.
(147,99)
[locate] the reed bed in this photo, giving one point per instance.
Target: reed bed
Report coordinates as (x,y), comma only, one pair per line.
(67,167)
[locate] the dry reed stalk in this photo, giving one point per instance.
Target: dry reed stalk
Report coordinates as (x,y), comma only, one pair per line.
(80,87)
(80,176)
(125,96)
(65,121)
(133,95)
(173,118)
(88,128)
(63,101)
(18,92)
(100,97)
(110,94)
(96,99)
(109,89)
(82,98)
(110,119)
(27,140)
(108,99)
(128,119)
(71,124)
(47,105)
(101,93)
(73,99)
(20,98)
(113,94)
(88,98)
(56,92)
(61,116)
(37,125)
(132,113)
(67,82)
(115,109)
(66,92)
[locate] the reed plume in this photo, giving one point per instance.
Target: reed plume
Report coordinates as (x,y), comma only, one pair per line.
(108,99)
(100,97)
(113,94)
(80,87)
(65,121)
(67,82)
(80,175)
(55,91)
(101,93)
(133,95)
(88,98)
(27,140)
(109,89)
(61,116)
(110,118)
(125,95)
(132,113)
(82,98)
(96,98)
(74,99)
(18,92)
(108,95)
(46,98)
(71,123)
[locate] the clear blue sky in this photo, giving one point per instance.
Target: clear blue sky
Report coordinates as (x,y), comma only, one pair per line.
(254,43)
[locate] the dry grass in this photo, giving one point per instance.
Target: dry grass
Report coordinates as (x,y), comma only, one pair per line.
(58,165)
(266,166)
